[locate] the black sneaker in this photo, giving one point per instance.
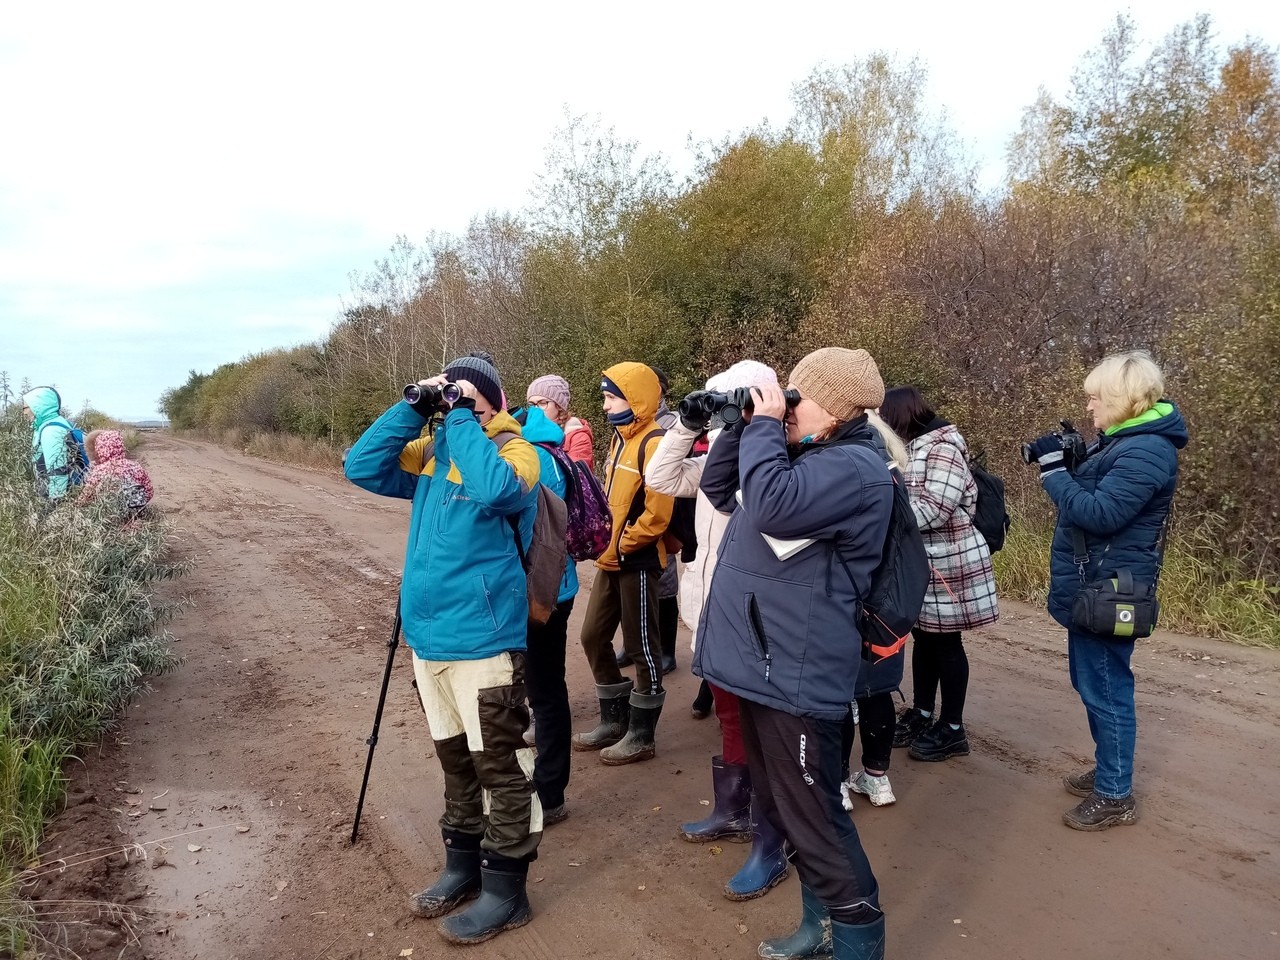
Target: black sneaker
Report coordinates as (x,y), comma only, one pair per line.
(553,815)
(1099,813)
(911,723)
(939,742)
(1080,784)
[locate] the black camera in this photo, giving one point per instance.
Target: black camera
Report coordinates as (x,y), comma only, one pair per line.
(436,397)
(701,405)
(1074,448)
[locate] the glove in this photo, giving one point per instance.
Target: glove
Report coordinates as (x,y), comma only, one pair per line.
(1048,453)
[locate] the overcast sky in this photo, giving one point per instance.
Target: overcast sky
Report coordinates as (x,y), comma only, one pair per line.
(185,183)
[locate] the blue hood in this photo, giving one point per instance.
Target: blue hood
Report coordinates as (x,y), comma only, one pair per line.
(539,428)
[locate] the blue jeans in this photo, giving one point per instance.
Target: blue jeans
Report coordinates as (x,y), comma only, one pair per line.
(1101,674)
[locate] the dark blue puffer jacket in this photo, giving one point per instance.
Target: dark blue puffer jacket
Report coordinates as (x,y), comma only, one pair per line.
(783,632)
(1119,497)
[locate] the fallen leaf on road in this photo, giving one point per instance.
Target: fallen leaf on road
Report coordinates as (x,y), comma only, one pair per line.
(742,928)
(242,828)
(407,951)
(280,885)
(656,809)
(193,848)
(705,803)
(641,887)
(715,851)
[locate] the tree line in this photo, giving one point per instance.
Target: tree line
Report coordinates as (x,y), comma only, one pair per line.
(1140,209)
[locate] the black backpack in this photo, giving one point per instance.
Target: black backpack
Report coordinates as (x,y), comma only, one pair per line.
(992,515)
(898,584)
(892,603)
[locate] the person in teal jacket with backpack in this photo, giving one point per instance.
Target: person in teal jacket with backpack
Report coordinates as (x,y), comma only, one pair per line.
(54,445)
(545,663)
(465,610)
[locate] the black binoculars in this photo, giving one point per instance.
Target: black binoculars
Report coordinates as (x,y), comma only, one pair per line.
(701,405)
(436,397)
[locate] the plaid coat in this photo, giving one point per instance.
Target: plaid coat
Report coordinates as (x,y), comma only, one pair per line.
(962,592)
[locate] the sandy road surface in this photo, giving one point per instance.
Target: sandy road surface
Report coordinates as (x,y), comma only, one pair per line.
(285,641)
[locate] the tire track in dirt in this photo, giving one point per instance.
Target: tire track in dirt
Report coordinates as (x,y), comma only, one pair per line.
(285,640)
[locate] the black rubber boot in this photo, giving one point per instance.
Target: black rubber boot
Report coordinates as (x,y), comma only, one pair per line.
(613,717)
(766,865)
(503,903)
(731,816)
(460,880)
(639,743)
(861,941)
(810,941)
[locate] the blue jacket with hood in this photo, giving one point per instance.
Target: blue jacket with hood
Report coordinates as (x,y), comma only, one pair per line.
(1119,498)
(49,447)
(463,595)
(784,633)
(540,429)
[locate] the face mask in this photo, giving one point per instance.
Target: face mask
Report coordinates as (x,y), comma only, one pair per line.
(621,419)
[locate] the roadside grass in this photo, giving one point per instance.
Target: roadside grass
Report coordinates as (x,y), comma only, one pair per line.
(1217,597)
(80,633)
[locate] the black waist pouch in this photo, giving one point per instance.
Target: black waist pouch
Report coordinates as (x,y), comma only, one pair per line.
(1119,607)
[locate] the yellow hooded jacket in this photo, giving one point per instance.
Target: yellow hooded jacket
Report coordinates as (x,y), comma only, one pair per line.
(640,514)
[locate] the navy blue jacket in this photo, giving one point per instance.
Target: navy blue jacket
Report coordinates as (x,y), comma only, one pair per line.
(783,633)
(1119,497)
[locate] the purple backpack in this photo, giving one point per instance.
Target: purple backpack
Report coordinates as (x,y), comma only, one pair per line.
(590,523)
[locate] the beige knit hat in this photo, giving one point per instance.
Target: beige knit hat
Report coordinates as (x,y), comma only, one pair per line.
(840,381)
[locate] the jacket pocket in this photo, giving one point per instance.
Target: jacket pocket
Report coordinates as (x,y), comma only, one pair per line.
(755,627)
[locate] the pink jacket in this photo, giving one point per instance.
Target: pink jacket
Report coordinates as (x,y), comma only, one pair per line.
(111,465)
(579,443)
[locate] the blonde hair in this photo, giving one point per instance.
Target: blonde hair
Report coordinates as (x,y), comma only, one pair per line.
(91,445)
(1127,384)
(892,442)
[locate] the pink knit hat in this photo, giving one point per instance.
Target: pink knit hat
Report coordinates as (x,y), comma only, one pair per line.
(744,373)
(554,388)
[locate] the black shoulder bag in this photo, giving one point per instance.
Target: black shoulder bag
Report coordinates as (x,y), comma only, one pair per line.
(1118,606)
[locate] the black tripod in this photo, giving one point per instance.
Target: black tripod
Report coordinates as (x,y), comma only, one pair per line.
(377,719)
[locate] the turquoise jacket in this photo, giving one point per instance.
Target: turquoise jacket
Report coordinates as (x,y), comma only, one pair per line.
(540,429)
(463,595)
(49,447)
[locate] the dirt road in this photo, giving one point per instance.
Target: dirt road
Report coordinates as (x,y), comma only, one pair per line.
(263,727)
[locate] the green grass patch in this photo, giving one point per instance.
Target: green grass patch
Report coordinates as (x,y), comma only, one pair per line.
(1203,591)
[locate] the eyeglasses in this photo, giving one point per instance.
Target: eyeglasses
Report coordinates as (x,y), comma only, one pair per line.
(542,402)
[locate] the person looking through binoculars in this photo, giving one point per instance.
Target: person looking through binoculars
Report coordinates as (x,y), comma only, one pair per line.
(811,499)
(464,610)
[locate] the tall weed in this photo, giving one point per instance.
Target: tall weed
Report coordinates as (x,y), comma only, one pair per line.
(80,634)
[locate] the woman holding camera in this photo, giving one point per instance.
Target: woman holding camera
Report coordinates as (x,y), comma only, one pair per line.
(962,588)
(1112,511)
(776,626)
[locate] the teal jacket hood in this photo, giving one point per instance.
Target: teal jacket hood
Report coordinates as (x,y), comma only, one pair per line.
(539,428)
(44,403)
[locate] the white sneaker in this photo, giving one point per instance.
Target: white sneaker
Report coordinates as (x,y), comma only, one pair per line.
(877,789)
